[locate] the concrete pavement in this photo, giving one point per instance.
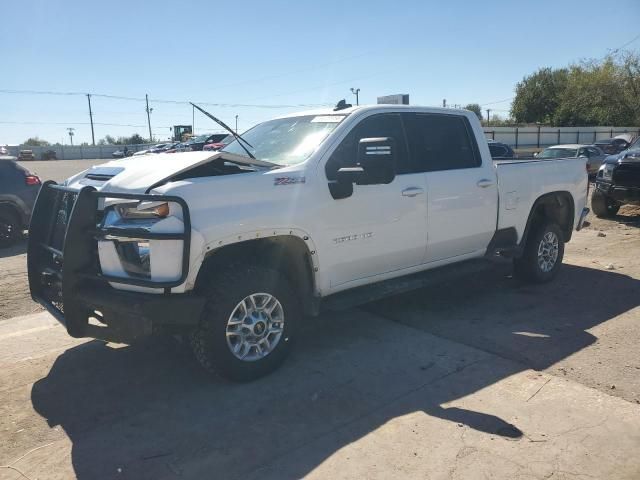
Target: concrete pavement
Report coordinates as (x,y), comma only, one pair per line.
(361,397)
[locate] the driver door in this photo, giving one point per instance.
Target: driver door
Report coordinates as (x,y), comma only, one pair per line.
(379,229)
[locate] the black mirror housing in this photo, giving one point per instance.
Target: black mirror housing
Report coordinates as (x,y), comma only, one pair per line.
(376,158)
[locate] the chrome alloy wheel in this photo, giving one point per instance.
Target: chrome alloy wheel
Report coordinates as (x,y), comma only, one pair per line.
(548,251)
(255,327)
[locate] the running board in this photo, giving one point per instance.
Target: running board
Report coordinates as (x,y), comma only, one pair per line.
(376,291)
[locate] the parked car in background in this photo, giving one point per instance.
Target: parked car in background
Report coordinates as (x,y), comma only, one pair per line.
(164,147)
(26,155)
(198,143)
(614,145)
(18,191)
(617,182)
(592,153)
(49,155)
(4,152)
(218,145)
(150,149)
(125,152)
(501,151)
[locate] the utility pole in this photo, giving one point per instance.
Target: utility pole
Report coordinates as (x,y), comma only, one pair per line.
(356,92)
(71,129)
(488,112)
(193,120)
(149,110)
(236,124)
(444,103)
(93,136)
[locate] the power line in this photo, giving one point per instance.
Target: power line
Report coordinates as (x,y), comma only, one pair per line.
(497,101)
(616,50)
(159,100)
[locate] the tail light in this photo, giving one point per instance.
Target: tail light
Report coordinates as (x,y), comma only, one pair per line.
(31,179)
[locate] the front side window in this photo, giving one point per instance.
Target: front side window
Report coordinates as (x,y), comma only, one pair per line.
(440,142)
(381,125)
(286,141)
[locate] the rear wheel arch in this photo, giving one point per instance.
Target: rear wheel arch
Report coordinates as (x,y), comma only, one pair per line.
(554,207)
(12,210)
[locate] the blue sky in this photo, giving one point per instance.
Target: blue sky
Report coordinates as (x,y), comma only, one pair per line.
(278,53)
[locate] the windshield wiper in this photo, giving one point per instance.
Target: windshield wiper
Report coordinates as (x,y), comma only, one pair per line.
(228,129)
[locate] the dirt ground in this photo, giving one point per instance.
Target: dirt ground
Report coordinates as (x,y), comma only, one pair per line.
(479,377)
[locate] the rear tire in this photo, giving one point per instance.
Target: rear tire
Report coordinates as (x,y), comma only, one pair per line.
(542,256)
(248,324)
(603,206)
(10,230)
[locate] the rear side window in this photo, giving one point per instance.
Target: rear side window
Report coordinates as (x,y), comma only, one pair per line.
(440,142)
(497,151)
(382,125)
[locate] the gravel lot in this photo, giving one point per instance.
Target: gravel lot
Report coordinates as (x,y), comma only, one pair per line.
(478,377)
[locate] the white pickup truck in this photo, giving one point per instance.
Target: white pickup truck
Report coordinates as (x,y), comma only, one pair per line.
(233,248)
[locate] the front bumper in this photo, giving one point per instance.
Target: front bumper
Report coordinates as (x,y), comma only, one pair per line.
(622,194)
(65,275)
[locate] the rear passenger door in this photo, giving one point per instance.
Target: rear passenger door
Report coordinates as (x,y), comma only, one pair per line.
(461,192)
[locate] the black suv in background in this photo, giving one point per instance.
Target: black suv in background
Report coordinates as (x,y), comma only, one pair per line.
(611,146)
(18,191)
(617,182)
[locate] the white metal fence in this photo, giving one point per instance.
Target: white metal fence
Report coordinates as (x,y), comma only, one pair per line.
(541,136)
(77,152)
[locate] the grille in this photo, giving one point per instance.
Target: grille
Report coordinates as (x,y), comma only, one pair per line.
(627,175)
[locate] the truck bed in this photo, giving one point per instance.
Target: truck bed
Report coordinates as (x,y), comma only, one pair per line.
(522,182)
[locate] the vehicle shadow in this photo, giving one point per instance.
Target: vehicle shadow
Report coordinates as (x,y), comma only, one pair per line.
(629,215)
(17,249)
(148,411)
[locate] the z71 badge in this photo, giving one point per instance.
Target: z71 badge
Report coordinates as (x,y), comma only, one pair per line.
(288,180)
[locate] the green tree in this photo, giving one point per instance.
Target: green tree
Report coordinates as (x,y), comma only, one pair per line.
(475,108)
(36,142)
(538,96)
(594,92)
(602,93)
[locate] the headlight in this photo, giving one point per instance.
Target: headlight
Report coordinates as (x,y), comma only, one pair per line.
(607,171)
(143,210)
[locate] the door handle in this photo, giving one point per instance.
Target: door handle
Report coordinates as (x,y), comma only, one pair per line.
(412,191)
(484,183)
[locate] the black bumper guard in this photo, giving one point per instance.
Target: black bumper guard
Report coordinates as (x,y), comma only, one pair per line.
(65,277)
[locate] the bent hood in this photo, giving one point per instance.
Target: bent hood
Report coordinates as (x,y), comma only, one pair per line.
(141,173)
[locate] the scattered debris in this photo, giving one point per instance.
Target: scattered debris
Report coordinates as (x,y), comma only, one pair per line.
(602,234)
(610,267)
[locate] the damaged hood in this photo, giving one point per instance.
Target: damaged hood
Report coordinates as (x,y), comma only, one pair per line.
(139,174)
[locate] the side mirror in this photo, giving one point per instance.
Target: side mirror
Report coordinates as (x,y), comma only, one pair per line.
(375,165)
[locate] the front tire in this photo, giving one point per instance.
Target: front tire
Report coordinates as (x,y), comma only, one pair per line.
(603,206)
(542,256)
(248,324)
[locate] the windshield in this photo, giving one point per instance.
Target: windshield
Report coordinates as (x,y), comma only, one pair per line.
(286,141)
(558,153)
